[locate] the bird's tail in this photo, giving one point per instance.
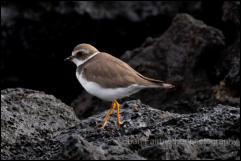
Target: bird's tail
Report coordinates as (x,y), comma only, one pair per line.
(160,84)
(157,83)
(167,85)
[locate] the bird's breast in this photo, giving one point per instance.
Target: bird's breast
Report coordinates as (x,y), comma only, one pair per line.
(107,94)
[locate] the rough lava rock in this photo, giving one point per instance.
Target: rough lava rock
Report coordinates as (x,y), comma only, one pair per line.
(181,149)
(28,119)
(231,19)
(227,67)
(147,133)
(132,10)
(227,70)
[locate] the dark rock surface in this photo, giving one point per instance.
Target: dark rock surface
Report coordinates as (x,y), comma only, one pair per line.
(231,19)
(227,68)
(180,149)
(211,133)
(28,119)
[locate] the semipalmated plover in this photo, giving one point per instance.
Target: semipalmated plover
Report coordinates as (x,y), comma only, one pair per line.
(109,78)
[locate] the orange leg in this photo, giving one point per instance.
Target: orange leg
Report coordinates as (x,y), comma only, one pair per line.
(118,118)
(102,123)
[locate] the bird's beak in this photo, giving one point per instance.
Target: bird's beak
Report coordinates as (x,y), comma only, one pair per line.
(69,58)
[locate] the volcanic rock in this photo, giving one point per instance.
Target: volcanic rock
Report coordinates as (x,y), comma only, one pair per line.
(39,126)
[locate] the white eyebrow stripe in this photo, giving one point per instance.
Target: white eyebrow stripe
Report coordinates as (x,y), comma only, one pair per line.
(83,50)
(80,62)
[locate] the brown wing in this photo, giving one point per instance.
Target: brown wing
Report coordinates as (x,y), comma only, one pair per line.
(111,72)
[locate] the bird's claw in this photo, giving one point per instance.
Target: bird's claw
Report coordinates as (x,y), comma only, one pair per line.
(101,124)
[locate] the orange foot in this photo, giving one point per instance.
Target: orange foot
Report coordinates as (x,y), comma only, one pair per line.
(114,104)
(102,123)
(118,122)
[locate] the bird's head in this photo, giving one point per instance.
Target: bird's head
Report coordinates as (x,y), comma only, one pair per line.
(81,53)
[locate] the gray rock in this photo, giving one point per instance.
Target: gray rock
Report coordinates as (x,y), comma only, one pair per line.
(231,12)
(132,10)
(28,120)
(230,58)
(33,111)
(145,127)
(177,51)
(147,133)
(135,11)
(227,67)
(38,126)
(204,149)
(76,148)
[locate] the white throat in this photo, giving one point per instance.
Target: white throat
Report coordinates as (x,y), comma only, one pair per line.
(80,62)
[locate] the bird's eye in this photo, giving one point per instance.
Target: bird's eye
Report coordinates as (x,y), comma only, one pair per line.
(78,54)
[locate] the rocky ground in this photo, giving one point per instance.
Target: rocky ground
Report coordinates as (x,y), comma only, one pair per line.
(35,125)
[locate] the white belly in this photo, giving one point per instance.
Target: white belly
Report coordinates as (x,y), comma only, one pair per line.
(108,94)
